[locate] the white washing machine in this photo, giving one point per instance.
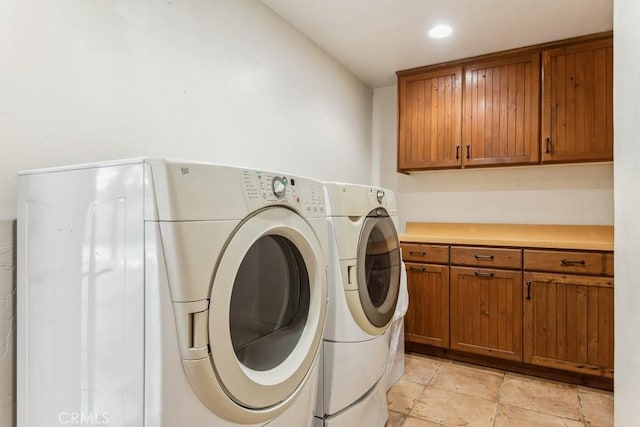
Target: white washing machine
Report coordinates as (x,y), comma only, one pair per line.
(364,284)
(169,293)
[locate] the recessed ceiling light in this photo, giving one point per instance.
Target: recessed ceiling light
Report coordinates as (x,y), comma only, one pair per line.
(440,31)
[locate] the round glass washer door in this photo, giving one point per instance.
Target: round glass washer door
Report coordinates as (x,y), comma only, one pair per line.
(267,309)
(378,267)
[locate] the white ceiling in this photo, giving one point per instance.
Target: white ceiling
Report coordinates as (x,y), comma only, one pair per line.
(376,38)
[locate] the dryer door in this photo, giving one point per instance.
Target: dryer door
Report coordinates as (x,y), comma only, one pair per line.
(378,267)
(267,310)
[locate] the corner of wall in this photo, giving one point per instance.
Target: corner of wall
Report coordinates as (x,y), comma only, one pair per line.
(7,322)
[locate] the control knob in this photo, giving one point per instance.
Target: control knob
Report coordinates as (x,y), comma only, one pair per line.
(278,186)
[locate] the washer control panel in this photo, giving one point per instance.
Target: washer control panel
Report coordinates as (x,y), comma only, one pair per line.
(268,188)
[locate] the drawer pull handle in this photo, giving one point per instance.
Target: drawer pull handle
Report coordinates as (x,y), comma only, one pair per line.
(418,269)
(481,256)
(484,273)
(568,262)
(418,253)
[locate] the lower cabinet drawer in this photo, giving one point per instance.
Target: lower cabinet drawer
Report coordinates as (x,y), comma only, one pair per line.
(418,252)
(594,263)
(487,257)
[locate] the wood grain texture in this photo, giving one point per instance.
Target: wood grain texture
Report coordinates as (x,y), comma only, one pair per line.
(501,113)
(485,257)
(593,263)
(434,254)
(429,119)
(427,318)
(486,312)
(577,102)
(568,323)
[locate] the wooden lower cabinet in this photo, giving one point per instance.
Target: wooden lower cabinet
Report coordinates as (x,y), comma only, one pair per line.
(486,312)
(545,310)
(568,322)
(427,318)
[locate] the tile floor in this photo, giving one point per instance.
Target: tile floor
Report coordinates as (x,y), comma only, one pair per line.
(437,392)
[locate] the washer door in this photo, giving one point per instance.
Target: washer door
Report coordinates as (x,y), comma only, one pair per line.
(378,268)
(267,309)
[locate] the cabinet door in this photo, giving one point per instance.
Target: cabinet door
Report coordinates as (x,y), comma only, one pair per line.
(501,111)
(427,318)
(486,312)
(577,102)
(429,119)
(569,322)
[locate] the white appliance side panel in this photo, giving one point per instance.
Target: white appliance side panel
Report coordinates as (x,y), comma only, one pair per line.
(369,411)
(352,369)
(81,297)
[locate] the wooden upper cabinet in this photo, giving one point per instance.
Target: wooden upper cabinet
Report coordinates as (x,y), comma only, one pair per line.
(501,111)
(577,102)
(429,119)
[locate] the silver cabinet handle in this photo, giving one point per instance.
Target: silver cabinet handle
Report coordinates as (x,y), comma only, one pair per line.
(567,262)
(484,273)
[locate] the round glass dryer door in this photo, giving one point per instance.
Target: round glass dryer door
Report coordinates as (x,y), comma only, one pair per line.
(267,309)
(269,303)
(379,267)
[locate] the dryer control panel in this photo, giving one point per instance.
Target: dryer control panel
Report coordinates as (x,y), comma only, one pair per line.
(357,200)
(263,188)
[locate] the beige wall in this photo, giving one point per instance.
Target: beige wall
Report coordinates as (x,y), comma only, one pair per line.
(7,323)
(550,194)
(224,81)
(627,207)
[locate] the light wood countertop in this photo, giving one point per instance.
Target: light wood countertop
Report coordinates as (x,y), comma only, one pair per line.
(584,237)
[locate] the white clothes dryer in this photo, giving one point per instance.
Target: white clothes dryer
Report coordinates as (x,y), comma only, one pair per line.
(167,293)
(364,284)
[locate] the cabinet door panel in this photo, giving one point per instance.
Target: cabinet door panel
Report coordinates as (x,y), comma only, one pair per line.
(569,322)
(429,119)
(486,312)
(427,318)
(577,102)
(500,123)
